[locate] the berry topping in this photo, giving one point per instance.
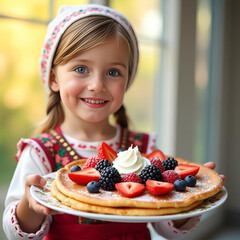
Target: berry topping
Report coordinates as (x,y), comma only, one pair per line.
(103,164)
(131,177)
(180,185)
(75,168)
(130,189)
(106,152)
(93,187)
(158,188)
(84,176)
(150,172)
(170,163)
(190,181)
(157,153)
(156,161)
(186,169)
(121,150)
(109,177)
(170,176)
(91,162)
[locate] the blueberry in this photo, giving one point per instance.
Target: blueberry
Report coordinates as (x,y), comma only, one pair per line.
(75,168)
(180,185)
(121,150)
(190,180)
(93,187)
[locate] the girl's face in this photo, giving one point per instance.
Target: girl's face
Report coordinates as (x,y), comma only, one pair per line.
(93,84)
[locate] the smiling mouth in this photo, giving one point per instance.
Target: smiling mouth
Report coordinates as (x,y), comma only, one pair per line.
(94,101)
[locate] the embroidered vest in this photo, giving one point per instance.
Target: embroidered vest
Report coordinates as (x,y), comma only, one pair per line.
(60,152)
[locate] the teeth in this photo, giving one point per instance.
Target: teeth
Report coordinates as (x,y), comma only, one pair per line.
(92,101)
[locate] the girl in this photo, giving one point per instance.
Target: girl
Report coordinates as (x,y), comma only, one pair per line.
(89,60)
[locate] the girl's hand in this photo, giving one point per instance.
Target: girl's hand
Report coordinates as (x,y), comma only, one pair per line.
(212,165)
(180,222)
(30,213)
(37,181)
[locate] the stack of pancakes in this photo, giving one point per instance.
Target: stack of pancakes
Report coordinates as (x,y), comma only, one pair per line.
(112,202)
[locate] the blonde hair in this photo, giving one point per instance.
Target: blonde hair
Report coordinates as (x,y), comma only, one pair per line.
(80,36)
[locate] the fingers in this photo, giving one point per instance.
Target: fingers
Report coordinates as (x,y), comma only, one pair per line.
(211,165)
(35,180)
(223,177)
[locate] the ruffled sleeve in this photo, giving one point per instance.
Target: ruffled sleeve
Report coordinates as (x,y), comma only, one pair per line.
(167,229)
(30,162)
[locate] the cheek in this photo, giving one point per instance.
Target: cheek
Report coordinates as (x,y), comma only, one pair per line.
(119,91)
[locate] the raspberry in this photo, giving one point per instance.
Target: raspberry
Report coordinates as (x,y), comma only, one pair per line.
(157,162)
(170,176)
(131,177)
(91,162)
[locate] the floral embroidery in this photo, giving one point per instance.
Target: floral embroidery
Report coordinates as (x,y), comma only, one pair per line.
(55,149)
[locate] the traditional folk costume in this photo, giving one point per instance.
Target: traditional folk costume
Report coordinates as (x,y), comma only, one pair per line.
(50,151)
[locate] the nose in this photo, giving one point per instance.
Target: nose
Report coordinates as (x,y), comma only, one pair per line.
(97,83)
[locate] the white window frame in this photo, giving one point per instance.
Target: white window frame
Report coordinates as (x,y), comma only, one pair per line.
(175,91)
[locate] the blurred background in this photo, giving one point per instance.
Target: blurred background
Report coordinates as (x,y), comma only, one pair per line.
(186,89)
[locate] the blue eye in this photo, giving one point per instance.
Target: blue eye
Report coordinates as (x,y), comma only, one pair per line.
(81,70)
(113,73)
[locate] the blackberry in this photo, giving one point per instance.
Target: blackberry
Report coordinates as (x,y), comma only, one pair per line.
(103,164)
(170,164)
(150,172)
(109,177)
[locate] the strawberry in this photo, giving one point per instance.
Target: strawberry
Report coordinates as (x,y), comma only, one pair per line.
(84,176)
(157,153)
(170,176)
(106,152)
(131,177)
(156,161)
(91,162)
(158,188)
(130,189)
(186,169)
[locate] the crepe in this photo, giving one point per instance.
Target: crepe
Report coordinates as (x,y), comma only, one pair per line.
(112,202)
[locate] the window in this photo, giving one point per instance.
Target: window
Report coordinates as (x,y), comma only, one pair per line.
(23,27)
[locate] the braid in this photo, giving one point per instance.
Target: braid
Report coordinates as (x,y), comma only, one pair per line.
(121,117)
(55,114)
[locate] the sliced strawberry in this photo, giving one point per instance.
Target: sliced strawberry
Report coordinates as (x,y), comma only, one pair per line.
(84,176)
(157,153)
(106,152)
(129,189)
(186,169)
(158,188)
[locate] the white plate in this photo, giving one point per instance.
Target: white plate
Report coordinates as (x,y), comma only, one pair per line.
(43,196)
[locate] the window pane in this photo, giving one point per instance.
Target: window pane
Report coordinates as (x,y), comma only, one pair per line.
(146,19)
(22,95)
(202,78)
(59,3)
(36,9)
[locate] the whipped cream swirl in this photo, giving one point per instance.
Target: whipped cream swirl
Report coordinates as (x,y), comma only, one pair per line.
(130,161)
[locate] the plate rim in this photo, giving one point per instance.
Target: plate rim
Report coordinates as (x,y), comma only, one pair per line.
(119,218)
